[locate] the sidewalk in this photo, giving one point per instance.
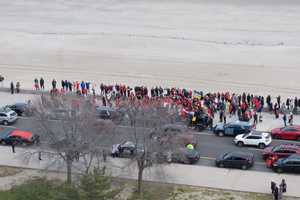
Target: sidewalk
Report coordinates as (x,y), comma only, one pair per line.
(248,181)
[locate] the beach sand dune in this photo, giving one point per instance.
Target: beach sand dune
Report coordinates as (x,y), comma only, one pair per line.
(251,46)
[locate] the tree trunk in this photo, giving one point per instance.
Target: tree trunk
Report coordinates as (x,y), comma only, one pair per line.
(69,170)
(140,180)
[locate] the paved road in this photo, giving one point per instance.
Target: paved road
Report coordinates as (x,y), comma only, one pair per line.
(210,146)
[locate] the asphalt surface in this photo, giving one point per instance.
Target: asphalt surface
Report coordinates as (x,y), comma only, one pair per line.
(209,145)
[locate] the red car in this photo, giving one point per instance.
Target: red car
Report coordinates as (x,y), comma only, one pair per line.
(20,137)
(281,151)
(286,133)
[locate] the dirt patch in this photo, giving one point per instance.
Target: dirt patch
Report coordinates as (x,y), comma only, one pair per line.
(9,171)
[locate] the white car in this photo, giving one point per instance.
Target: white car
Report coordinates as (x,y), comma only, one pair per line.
(254,138)
(7,116)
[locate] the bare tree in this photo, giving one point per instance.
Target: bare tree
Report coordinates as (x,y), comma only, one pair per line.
(70,131)
(147,119)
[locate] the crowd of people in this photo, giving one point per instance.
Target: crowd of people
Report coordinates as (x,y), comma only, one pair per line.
(245,106)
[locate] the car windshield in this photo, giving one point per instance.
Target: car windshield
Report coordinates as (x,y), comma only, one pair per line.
(245,135)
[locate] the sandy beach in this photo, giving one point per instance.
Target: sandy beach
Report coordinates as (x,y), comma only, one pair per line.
(234,45)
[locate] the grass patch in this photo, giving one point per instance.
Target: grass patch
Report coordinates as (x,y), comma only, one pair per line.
(153,191)
(9,171)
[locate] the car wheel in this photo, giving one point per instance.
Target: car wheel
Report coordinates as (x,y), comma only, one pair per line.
(5,123)
(244,167)
(261,146)
(240,144)
(221,165)
(220,133)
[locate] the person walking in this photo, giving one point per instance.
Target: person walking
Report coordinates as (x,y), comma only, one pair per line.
(276,193)
(12,88)
(42,83)
(273,185)
(36,84)
(18,87)
(291,118)
(283,186)
(255,118)
(284,118)
(13,144)
(54,84)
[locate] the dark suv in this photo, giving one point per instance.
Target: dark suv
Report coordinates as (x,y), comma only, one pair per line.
(232,128)
(289,164)
(235,160)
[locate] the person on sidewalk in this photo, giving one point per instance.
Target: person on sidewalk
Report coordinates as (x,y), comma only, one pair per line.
(284,118)
(283,186)
(273,185)
(36,84)
(40,156)
(13,144)
(255,118)
(18,85)
(12,88)
(42,83)
(291,119)
(276,193)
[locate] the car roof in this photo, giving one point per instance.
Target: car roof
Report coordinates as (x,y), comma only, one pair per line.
(289,146)
(238,122)
(21,133)
(259,133)
(241,154)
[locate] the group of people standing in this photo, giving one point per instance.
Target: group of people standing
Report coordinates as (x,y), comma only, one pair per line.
(278,191)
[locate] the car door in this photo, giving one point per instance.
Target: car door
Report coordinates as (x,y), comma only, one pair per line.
(229,130)
(228,161)
(238,130)
(250,140)
(288,133)
(288,165)
(297,166)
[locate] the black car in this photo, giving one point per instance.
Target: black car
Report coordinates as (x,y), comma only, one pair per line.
(235,160)
(232,128)
(289,164)
(19,108)
(186,156)
(125,149)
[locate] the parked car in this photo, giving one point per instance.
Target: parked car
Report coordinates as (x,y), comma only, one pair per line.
(186,156)
(20,137)
(19,108)
(289,164)
(286,133)
(7,116)
(176,133)
(235,160)
(254,138)
(125,149)
(105,112)
(4,132)
(281,151)
(232,128)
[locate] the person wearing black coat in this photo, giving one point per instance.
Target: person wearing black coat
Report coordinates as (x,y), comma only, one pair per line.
(12,88)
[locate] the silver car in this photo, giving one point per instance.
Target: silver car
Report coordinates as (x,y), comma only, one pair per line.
(7,116)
